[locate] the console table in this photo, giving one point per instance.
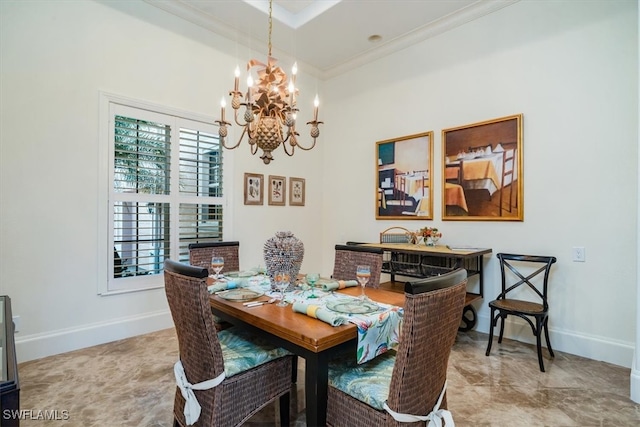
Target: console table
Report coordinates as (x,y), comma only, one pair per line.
(9,386)
(420,261)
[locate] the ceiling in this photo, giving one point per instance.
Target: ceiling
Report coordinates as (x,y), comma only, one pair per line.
(329,37)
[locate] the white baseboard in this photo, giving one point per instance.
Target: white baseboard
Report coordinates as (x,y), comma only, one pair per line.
(635,382)
(589,346)
(37,346)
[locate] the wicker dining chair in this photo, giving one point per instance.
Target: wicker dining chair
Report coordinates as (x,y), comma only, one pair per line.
(200,254)
(253,373)
(410,382)
(520,273)
(349,257)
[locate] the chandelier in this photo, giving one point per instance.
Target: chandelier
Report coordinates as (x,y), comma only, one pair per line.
(270,108)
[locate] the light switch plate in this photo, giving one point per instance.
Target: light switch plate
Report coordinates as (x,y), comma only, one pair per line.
(578,254)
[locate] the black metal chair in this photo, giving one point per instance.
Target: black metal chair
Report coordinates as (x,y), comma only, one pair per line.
(517,271)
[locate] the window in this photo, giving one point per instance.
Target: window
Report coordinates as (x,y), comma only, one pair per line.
(166,190)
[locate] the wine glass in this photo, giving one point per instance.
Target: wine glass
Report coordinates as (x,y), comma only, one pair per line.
(282,283)
(363,273)
(312,278)
(217,263)
(277,279)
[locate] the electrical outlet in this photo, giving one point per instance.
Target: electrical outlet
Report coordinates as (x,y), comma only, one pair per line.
(16,322)
(578,254)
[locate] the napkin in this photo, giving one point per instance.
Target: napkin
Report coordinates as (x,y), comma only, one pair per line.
(222,286)
(320,313)
(339,284)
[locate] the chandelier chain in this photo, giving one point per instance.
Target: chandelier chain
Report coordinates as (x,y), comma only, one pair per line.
(270,24)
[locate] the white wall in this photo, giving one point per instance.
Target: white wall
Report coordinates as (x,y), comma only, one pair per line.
(635,365)
(56,58)
(569,67)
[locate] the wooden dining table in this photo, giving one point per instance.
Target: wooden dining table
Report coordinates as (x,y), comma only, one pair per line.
(307,337)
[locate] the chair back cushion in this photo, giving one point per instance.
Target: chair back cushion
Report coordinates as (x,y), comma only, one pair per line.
(200,351)
(200,254)
(434,283)
(348,257)
(431,321)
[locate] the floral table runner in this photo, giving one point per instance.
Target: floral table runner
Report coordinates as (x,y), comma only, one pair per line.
(378,331)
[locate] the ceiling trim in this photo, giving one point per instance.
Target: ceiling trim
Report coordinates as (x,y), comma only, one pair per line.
(431,29)
(195,16)
(291,19)
(474,11)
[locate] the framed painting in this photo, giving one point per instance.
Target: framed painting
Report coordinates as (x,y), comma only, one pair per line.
(482,171)
(296,191)
(253,189)
(277,190)
(404,177)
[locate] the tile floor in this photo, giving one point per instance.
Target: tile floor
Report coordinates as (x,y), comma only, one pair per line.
(130,383)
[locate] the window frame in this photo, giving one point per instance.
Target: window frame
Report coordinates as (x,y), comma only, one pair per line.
(110,106)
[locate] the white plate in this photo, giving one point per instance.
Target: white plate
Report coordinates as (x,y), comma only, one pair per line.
(350,306)
(241,294)
(241,274)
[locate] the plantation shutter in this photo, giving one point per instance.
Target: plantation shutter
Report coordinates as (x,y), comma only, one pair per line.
(142,168)
(200,177)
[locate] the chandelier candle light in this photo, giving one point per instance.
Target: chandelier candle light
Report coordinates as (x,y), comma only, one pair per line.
(270,105)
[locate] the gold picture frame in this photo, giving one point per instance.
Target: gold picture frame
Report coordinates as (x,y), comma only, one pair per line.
(404,177)
(482,166)
(277,190)
(253,189)
(296,191)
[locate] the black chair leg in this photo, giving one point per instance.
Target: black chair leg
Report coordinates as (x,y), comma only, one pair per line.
(491,323)
(546,335)
(503,318)
(540,361)
(538,332)
(284,410)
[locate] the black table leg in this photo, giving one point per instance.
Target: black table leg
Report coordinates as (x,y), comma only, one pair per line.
(316,377)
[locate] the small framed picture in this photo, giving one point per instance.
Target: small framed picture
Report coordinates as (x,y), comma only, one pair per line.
(296,191)
(253,189)
(277,190)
